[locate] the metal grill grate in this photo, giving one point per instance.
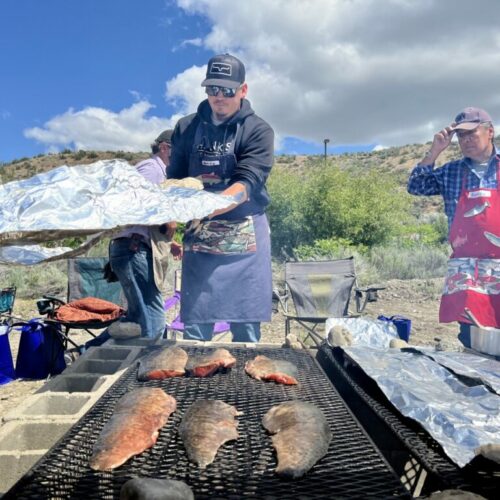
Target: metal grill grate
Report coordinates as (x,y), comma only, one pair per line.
(361,391)
(353,467)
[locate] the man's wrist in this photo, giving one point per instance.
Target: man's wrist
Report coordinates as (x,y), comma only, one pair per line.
(429,158)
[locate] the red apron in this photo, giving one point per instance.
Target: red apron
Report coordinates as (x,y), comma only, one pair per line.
(473,277)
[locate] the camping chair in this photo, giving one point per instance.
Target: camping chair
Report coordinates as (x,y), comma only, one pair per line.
(320,290)
(85,279)
(172,310)
(7,298)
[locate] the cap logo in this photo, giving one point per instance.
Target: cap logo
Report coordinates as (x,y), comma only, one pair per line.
(221,68)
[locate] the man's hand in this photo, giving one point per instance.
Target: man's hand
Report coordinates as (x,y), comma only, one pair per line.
(442,140)
(176,250)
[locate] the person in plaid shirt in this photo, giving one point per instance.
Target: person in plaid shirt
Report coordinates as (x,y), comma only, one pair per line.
(470,190)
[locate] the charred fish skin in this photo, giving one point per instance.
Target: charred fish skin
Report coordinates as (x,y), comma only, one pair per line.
(205,427)
(165,363)
(146,488)
(133,427)
(205,365)
(301,436)
(264,368)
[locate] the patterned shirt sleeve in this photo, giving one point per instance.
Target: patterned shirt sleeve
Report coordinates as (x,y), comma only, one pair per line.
(425,181)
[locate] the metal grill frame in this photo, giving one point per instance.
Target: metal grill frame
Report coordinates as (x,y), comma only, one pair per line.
(352,468)
(382,421)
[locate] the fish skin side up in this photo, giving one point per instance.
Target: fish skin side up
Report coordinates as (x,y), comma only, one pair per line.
(264,368)
(205,365)
(301,436)
(133,427)
(205,427)
(147,488)
(165,363)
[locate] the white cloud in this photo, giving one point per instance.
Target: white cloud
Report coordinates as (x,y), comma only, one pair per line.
(358,71)
(100,129)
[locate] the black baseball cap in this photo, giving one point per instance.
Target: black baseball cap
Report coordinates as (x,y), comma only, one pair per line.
(165,136)
(224,70)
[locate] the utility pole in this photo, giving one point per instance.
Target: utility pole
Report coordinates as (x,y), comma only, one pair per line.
(326,141)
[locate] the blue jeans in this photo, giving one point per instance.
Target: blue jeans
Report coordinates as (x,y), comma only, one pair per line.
(242,332)
(134,269)
(464,334)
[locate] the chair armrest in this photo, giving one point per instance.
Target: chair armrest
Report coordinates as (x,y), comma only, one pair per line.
(48,305)
(281,297)
(365,295)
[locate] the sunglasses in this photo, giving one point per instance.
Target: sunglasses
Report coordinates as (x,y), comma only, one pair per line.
(213,90)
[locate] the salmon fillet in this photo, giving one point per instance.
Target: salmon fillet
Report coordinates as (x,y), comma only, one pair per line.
(132,428)
(301,436)
(264,368)
(206,426)
(205,365)
(165,363)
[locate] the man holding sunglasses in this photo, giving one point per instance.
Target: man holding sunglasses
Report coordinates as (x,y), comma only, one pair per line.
(226,267)
(470,188)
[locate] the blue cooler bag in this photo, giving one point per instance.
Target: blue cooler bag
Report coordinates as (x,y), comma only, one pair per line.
(7,373)
(41,351)
(402,324)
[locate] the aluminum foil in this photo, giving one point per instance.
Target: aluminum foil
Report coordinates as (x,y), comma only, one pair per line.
(470,365)
(366,331)
(87,199)
(459,417)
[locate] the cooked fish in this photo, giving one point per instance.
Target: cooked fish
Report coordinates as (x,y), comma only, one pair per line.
(147,488)
(478,209)
(301,436)
(492,238)
(205,365)
(132,428)
(205,427)
(165,363)
(264,368)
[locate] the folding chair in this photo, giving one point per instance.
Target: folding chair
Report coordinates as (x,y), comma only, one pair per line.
(172,309)
(320,290)
(7,298)
(85,279)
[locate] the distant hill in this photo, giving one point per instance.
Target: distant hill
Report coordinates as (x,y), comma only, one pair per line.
(398,161)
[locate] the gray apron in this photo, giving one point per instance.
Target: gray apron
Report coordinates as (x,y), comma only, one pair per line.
(226,268)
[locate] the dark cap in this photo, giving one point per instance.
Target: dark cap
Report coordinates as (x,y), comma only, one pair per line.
(470,118)
(225,70)
(165,136)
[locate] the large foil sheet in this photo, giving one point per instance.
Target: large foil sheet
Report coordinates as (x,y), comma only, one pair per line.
(459,417)
(87,199)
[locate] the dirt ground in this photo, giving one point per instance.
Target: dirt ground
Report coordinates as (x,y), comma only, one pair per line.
(414,299)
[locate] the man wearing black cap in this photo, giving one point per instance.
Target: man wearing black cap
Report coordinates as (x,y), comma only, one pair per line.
(226,271)
(139,254)
(470,188)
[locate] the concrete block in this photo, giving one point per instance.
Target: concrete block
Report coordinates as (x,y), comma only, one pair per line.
(20,436)
(112,353)
(137,342)
(13,466)
(50,406)
(74,383)
(95,366)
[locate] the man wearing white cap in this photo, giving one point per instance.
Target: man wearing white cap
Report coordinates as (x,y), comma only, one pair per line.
(470,189)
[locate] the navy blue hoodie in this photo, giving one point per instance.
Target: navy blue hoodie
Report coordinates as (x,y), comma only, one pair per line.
(254,147)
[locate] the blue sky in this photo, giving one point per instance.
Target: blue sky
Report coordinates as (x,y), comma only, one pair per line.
(112,74)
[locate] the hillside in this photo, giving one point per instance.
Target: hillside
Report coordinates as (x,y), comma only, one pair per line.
(397,161)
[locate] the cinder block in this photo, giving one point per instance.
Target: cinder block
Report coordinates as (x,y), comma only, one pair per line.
(74,383)
(50,406)
(113,353)
(13,466)
(19,436)
(95,366)
(136,341)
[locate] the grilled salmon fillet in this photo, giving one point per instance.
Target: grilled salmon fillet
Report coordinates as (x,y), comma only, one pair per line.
(264,368)
(132,428)
(205,365)
(205,427)
(301,436)
(164,363)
